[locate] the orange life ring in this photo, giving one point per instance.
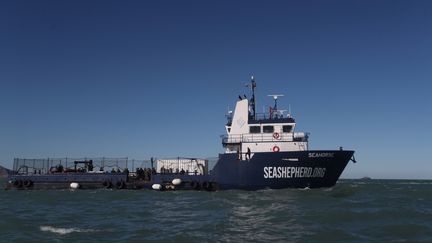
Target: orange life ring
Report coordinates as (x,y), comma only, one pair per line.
(276,149)
(276,135)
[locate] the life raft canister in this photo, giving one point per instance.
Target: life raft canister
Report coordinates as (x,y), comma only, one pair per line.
(276,135)
(276,149)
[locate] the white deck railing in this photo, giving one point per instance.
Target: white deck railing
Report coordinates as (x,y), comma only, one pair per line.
(264,137)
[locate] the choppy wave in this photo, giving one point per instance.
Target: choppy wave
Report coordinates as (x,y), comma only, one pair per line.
(353,210)
(64,231)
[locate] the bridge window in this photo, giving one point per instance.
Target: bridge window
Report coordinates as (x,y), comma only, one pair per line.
(287,128)
(268,129)
(254,129)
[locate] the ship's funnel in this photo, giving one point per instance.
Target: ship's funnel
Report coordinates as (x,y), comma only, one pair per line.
(240,118)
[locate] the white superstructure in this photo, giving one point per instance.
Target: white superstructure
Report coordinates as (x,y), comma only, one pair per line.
(269,132)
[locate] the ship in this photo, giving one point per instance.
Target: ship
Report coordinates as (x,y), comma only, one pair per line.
(262,151)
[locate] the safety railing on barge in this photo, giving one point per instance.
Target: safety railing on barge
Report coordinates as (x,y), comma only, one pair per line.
(45,166)
(190,166)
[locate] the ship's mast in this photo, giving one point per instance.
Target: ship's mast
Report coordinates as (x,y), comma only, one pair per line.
(252,102)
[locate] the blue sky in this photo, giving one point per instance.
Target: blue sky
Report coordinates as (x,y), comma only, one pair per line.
(155,78)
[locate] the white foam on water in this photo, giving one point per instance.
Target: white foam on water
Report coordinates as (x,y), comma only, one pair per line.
(63,231)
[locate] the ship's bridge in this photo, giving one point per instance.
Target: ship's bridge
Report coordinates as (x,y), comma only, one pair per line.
(265,129)
(250,132)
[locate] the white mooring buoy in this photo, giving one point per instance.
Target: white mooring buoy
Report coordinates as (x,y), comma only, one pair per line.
(74,185)
(176,181)
(157,187)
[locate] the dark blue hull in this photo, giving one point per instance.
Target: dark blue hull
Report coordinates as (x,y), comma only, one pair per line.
(300,169)
(63,180)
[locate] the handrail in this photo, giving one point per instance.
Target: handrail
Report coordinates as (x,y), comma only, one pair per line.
(262,137)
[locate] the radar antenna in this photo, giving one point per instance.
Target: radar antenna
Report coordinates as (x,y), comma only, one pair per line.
(275,97)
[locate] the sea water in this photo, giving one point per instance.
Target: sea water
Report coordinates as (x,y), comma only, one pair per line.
(353,210)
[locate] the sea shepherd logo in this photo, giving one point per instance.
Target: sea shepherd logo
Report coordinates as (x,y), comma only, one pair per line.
(294,172)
